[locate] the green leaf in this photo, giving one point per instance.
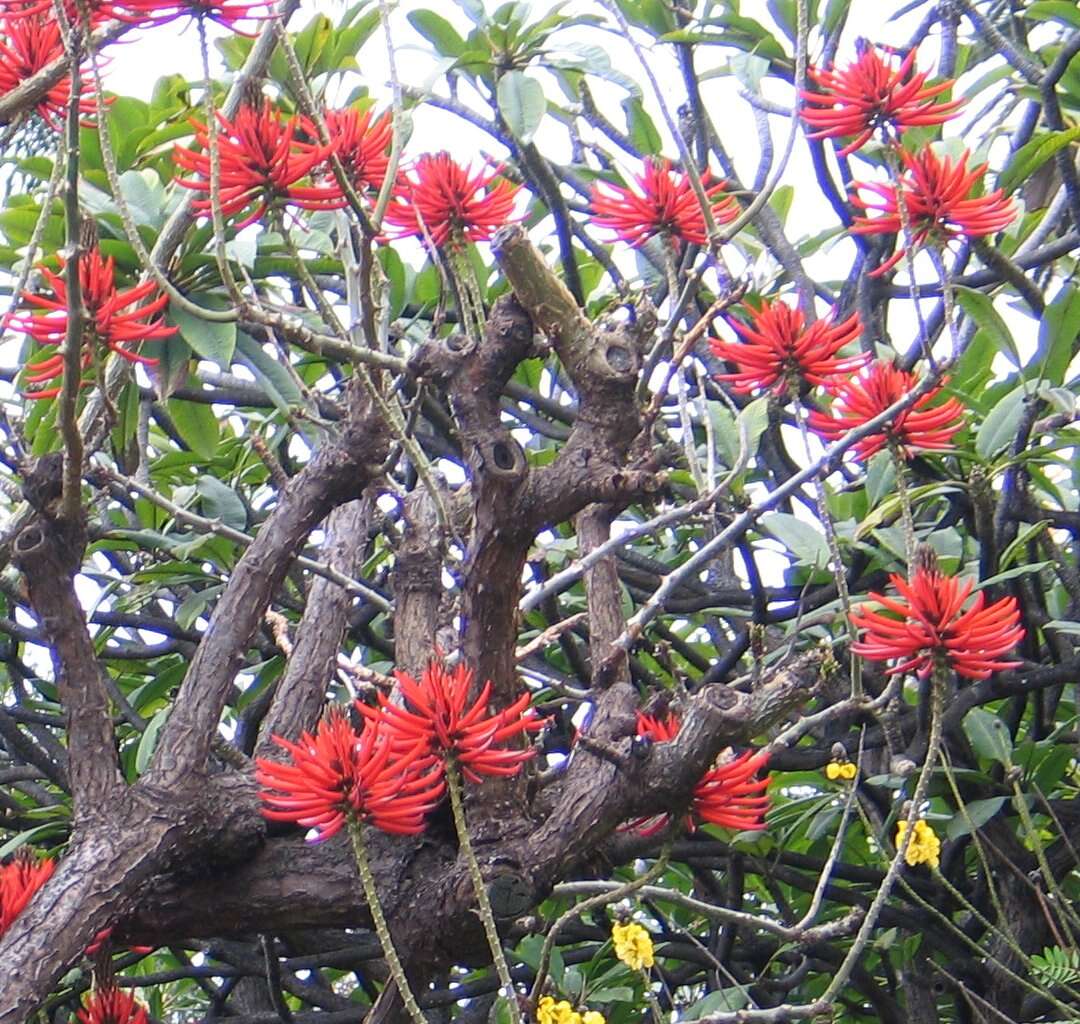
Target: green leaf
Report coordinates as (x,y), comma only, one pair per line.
(753,420)
(271,376)
(221,502)
(989,736)
(979,812)
(802,539)
(1031,156)
(438,31)
(208,338)
(1064,11)
(1058,331)
(197,424)
(148,740)
(999,427)
(521,103)
(30,836)
(640,127)
(725,1000)
(980,308)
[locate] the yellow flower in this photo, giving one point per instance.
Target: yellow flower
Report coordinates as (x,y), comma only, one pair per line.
(924,848)
(840,770)
(633,945)
(593,1017)
(550,1012)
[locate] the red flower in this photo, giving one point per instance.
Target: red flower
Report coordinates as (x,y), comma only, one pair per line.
(108,325)
(28,43)
(437,717)
(727,794)
(932,627)
(663,203)
(872,392)
(109,1005)
(261,162)
(777,349)
(20,877)
(939,205)
(158,12)
(361,143)
(870,94)
(440,199)
(337,773)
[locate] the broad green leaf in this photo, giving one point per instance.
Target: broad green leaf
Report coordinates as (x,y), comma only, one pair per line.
(980,308)
(274,379)
(979,812)
(1031,156)
(1065,11)
(197,424)
(1058,331)
(208,338)
(999,428)
(640,127)
(221,502)
(148,740)
(521,103)
(438,31)
(804,540)
(725,1000)
(989,736)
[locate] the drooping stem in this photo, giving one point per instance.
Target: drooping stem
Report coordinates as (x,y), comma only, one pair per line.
(855,952)
(600,900)
(906,518)
(836,562)
(487,917)
(371,894)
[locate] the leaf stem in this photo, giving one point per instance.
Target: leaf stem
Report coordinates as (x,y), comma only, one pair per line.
(371,894)
(487,917)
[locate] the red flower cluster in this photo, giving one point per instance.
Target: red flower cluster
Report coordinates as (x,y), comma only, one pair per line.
(861,398)
(932,627)
(940,207)
(262,161)
(727,795)
(29,42)
(108,324)
(362,144)
(158,12)
(391,773)
(338,772)
(870,94)
(441,200)
(437,717)
(20,877)
(109,1005)
(777,349)
(663,204)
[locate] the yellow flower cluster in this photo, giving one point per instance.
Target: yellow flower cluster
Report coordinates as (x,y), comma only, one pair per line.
(550,1012)
(633,945)
(840,770)
(924,848)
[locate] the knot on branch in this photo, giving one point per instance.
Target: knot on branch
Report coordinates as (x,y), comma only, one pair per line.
(500,459)
(50,548)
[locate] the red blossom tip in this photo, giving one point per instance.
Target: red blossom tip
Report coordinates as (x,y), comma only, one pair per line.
(937,195)
(117,319)
(919,427)
(440,200)
(438,716)
(20,878)
(338,772)
(111,1005)
(871,94)
(728,794)
(663,203)
(777,349)
(928,623)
